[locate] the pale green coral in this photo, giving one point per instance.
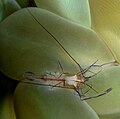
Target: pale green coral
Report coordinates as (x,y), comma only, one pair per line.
(86,29)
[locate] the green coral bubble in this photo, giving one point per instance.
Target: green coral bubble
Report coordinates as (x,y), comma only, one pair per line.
(106,21)
(108,104)
(26,46)
(76,11)
(7,7)
(45,103)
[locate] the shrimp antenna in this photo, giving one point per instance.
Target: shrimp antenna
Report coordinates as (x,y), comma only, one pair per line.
(56,40)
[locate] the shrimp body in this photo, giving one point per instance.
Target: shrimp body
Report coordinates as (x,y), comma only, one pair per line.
(74,80)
